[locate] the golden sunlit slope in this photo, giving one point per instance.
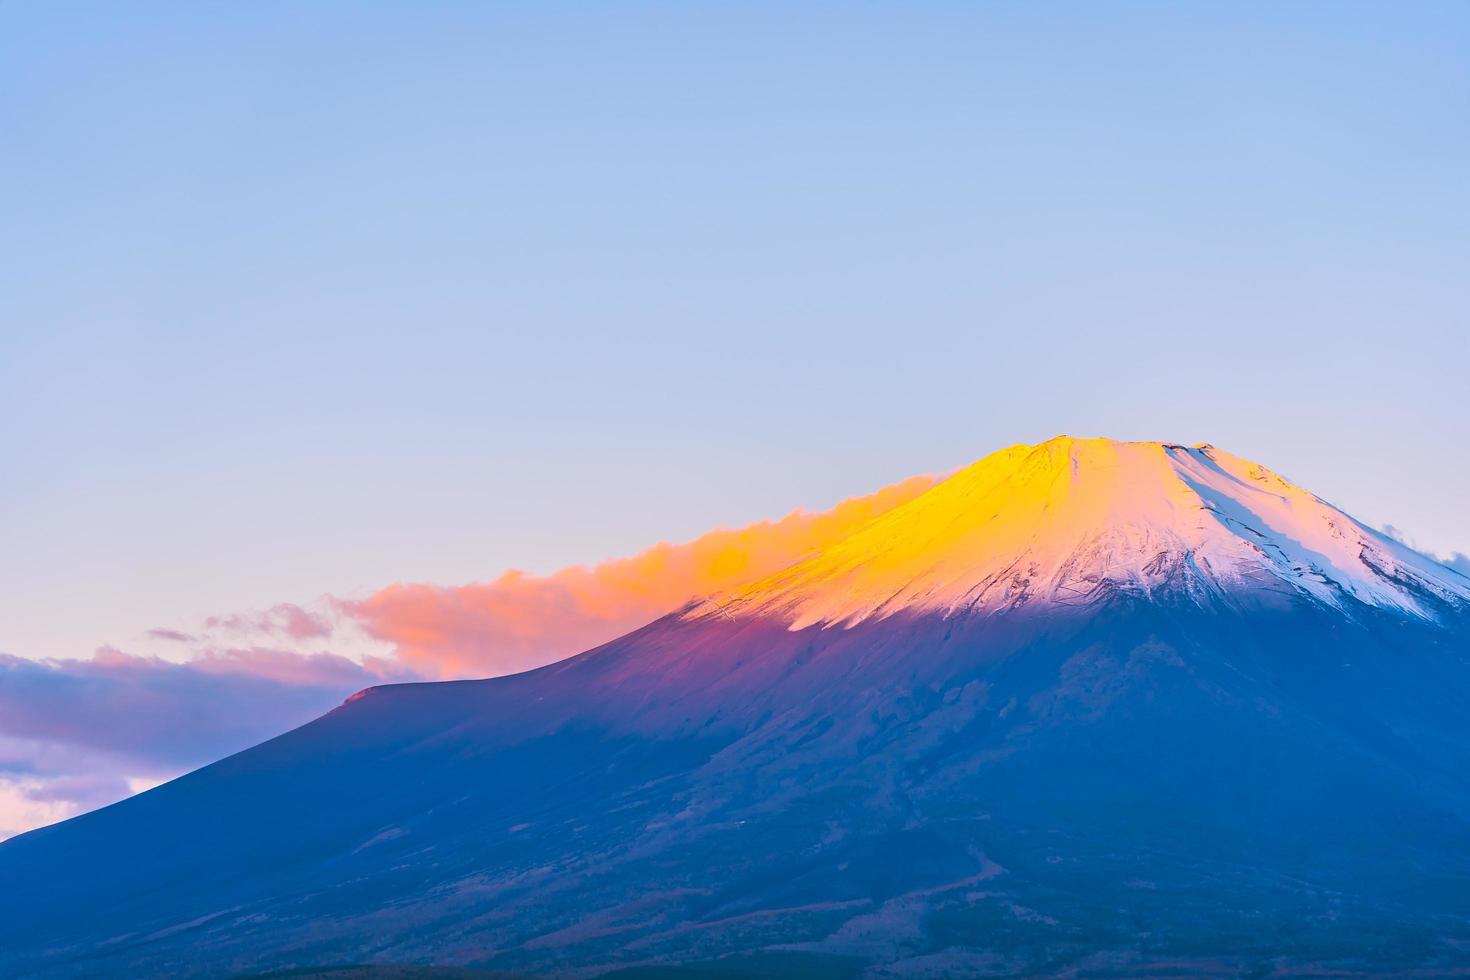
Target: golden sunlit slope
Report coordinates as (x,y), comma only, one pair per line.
(1071,520)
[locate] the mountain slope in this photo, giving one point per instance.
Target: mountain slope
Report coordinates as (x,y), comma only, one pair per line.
(1114,709)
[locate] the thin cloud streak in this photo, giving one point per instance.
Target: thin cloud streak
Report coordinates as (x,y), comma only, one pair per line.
(172,636)
(283,619)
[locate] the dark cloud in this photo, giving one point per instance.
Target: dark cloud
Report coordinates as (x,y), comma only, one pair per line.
(43,781)
(173,635)
(79,734)
(166,714)
(86,791)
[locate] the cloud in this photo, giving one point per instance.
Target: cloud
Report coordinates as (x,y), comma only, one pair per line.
(285,619)
(521,621)
(85,791)
(79,734)
(43,780)
(161,713)
(1458,561)
(174,636)
(22,810)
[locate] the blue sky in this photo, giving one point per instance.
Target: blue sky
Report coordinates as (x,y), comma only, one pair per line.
(301,299)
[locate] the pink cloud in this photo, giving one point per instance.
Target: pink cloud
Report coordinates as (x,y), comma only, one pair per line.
(284,619)
(520,621)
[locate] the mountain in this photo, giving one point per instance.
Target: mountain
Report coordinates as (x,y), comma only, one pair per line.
(1085,708)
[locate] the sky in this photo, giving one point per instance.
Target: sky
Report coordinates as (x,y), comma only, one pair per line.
(305,309)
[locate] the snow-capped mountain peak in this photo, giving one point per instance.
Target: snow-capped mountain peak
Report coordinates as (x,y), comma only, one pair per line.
(1072,520)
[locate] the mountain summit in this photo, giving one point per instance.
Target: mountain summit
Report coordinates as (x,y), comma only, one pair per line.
(1087,708)
(1071,520)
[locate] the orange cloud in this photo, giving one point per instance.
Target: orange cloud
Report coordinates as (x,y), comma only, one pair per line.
(522,621)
